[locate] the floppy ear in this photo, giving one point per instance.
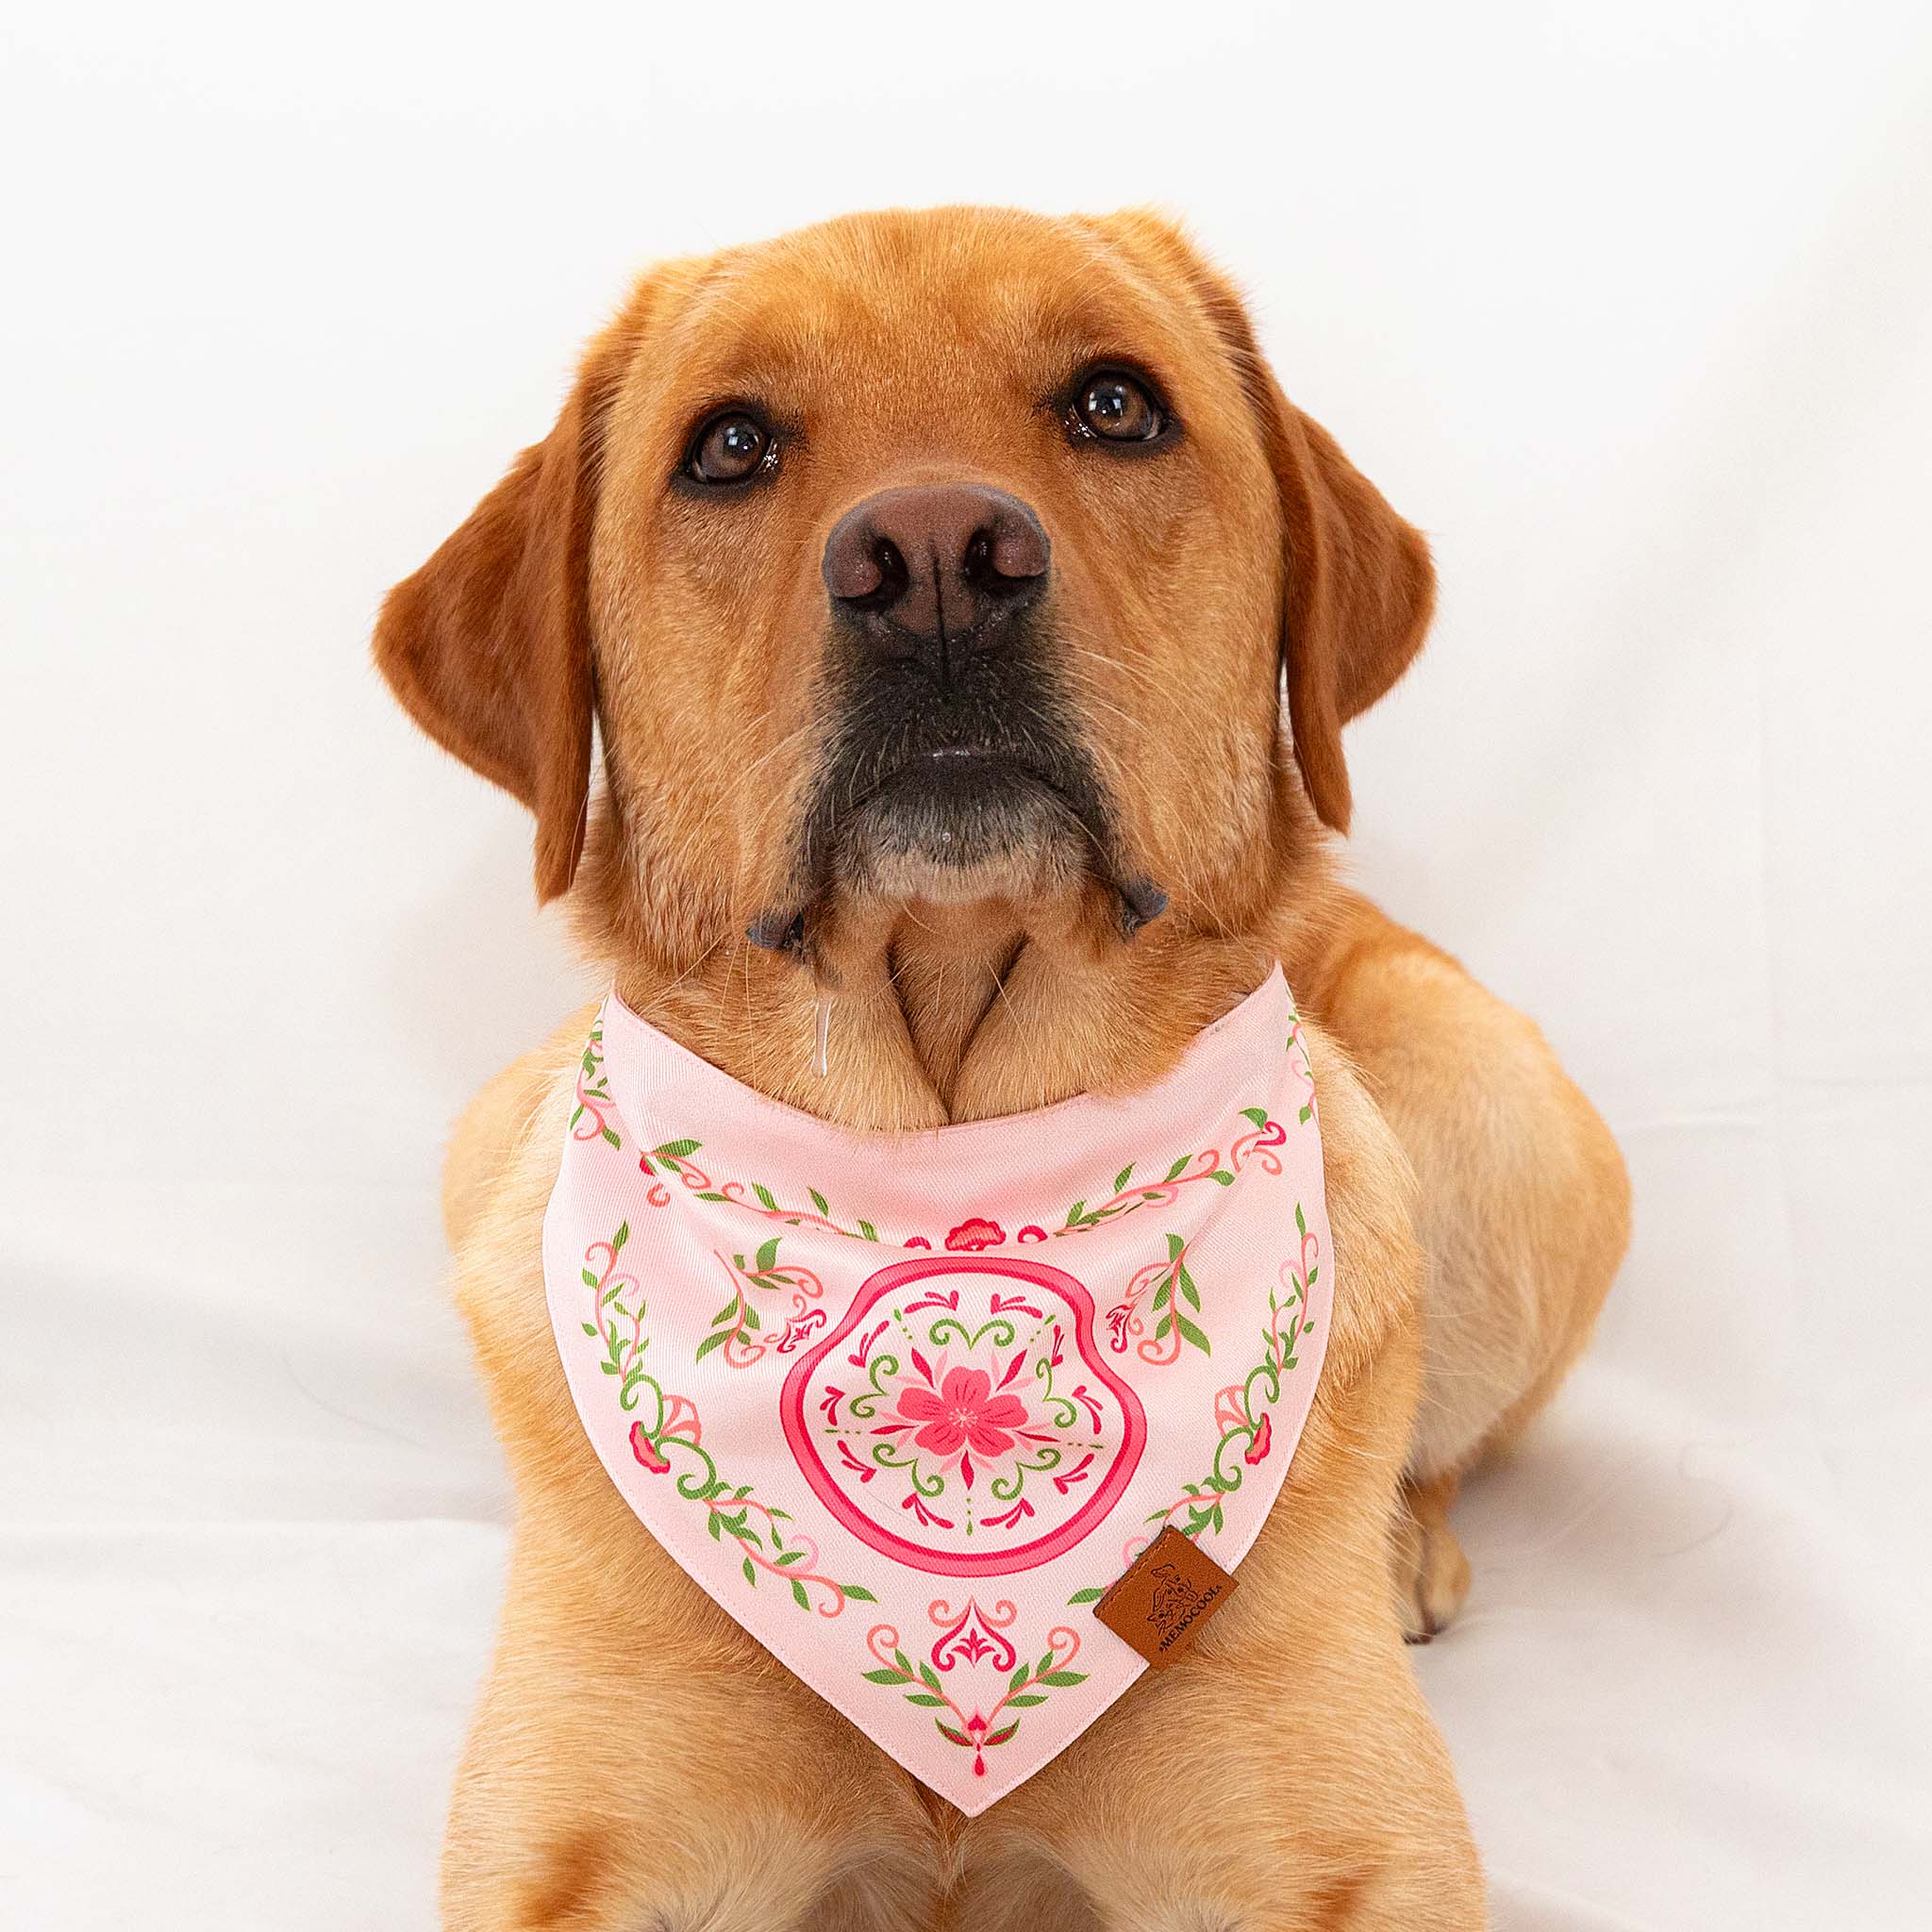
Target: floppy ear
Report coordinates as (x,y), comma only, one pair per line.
(1359,589)
(488,646)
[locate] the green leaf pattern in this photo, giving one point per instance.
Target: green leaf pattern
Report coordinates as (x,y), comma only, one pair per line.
(664,1438)
(971,1728)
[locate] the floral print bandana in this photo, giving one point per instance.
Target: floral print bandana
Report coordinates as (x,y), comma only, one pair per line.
(906,1404)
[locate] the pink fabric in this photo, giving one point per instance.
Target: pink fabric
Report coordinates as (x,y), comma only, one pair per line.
(906,1405)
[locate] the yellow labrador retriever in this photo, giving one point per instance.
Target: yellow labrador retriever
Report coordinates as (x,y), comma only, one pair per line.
(930,426)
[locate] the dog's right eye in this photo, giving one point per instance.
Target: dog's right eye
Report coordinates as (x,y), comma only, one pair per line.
(1114,407)
(729,448)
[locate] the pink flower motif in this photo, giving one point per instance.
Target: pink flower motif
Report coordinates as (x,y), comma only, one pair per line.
(645,1451)
(964,1414)
(970,1235)
(1257,1451)
(680,1418)
(1032,1233)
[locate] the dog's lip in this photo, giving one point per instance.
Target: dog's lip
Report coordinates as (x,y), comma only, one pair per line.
(962,751)
(950,758)
(947,760)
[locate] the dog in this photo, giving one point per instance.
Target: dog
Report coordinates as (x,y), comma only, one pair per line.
(933,581)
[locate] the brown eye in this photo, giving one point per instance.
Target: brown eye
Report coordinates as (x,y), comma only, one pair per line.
(1117,407)
(729,448)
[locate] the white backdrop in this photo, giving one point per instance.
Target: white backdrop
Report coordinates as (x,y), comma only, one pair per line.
(1630,305)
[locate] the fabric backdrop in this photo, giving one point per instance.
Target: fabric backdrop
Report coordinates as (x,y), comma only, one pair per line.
(1629,306)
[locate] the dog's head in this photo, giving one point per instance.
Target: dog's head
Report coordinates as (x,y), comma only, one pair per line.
(929,557)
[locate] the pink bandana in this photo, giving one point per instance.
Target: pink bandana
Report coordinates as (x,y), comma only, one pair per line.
(906,1405)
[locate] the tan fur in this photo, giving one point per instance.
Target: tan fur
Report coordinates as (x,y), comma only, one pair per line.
(1286,1775)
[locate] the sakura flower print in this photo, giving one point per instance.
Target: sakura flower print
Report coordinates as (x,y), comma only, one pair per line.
(906,1405)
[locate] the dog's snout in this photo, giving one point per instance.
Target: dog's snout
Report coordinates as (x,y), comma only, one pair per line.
(938,562)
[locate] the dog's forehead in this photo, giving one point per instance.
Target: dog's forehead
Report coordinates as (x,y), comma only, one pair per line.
(878,304)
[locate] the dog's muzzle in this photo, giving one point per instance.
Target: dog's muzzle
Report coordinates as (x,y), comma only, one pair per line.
(954,743)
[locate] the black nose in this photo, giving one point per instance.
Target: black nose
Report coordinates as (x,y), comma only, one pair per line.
(936,563)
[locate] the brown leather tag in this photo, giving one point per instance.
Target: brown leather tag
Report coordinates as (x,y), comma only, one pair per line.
(1163,1603)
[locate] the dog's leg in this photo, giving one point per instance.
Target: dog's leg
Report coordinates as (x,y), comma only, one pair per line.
(488,1130)
(1347,1823)
(1286,1776)
(1386,1849)
(1021,1892)
(1402,1897)
(1523,1213)
(637,1763)
(613,1784)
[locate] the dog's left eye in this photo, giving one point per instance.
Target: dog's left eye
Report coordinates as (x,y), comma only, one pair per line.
(1117,407)
(729,448)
